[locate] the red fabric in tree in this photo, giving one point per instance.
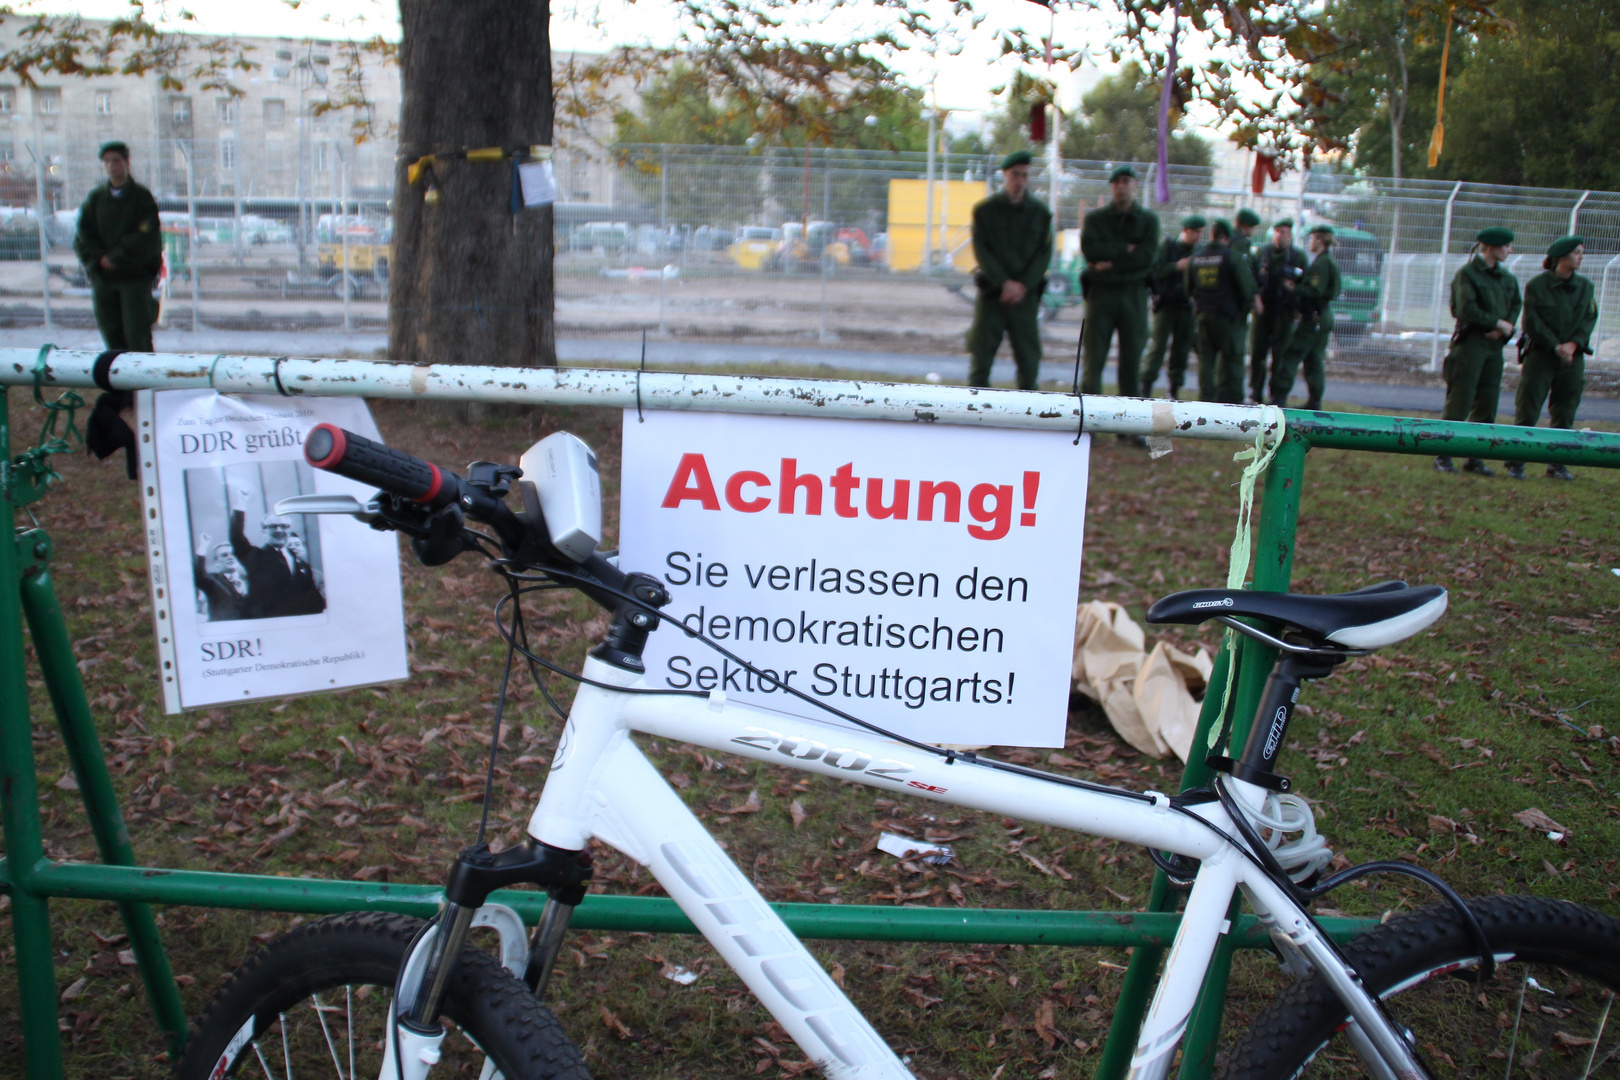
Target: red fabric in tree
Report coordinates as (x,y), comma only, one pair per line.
(1265,165)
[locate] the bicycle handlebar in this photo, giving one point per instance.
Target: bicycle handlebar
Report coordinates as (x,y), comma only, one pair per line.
(393,471)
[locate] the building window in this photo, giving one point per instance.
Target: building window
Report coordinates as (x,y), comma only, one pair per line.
(227,110)
(104,103)
(275,113)
(8,99)
(49,102)
(323,160)
(182,110)
(227,154)
(8,151)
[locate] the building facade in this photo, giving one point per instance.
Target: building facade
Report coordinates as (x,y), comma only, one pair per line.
(287,129)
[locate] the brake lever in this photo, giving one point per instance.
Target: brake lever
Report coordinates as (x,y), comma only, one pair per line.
(330,504)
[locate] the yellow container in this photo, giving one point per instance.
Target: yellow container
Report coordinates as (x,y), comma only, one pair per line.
(953,221)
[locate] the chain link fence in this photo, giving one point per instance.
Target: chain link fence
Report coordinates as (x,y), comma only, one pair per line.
(866,249)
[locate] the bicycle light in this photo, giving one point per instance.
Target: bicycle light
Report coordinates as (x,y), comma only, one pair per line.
(562,470)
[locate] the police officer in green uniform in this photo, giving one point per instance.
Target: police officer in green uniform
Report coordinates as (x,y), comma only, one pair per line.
(121,248)
(1118,241)
(1278,268)
(1560,310)
(1222,289)
(1012,241)
(1312,310)
(1485,302)
(1174,325)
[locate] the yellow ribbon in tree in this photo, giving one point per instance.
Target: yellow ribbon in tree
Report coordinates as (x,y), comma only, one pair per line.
(1437,141)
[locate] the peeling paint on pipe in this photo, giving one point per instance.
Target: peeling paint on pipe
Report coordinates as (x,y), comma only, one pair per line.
(617,388)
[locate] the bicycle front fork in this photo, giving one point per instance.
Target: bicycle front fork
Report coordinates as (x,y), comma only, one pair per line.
(415,1033)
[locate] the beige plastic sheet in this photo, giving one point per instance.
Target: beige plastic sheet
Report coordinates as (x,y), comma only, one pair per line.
(1148,697)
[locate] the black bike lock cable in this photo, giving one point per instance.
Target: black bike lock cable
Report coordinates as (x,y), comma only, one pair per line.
(1302,895)
(495,743)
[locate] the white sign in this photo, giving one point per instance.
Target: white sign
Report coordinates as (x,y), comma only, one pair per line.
(538,182)
(920,577)
(248,603)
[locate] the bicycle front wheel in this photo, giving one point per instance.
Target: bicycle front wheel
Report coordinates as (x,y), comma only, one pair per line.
(315,1002)
(1546,1013)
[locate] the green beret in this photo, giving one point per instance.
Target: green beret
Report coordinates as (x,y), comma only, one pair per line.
(1283,223)
(1563,247)
(1246,216)
(1495,236)
(1221,227)
(1193,221)
(1327,229)
(113,147)
(1017,157)
(1121,171)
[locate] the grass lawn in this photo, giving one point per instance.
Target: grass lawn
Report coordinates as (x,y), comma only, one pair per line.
(1423,752)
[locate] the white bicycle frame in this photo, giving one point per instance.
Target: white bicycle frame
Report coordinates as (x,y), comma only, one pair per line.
(602,787)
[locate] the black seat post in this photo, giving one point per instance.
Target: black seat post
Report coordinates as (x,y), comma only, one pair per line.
(1270,727)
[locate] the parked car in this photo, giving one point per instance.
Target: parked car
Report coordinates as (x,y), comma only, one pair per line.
(754,245)
(257,229)
(712,238)
(608,237)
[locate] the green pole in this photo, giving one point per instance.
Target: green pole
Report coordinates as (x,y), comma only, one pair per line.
(658,915)
(1273,571)
(54,648)
(19,804)
(1130,1009)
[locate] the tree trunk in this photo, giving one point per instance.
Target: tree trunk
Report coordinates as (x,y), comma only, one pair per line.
(471,283)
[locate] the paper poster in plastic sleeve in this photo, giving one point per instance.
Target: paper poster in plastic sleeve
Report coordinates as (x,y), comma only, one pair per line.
(249,603)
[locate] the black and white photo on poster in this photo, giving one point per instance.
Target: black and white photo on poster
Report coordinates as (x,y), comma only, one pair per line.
(250,562)
(248,602)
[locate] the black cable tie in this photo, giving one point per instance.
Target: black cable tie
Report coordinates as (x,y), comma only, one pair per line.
(639,418)
(1079,351)
(101,372)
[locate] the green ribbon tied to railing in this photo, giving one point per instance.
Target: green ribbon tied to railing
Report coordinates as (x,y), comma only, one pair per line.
(1255,460)
(31,472)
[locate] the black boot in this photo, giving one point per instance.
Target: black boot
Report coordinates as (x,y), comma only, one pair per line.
(1279,400)
(1475,465)
(1443,464)
(1313,405)
(1515,470)
(1174,393)
(1559,472)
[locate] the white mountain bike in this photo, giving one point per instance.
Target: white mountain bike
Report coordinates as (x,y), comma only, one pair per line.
(1484,987)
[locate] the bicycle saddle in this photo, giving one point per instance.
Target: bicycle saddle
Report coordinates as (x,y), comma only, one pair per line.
(1368,618)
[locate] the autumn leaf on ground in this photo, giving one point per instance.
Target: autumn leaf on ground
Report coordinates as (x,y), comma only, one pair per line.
(1043,1023)
(1535,819)
(614,1024)
(751,806)
(796,811)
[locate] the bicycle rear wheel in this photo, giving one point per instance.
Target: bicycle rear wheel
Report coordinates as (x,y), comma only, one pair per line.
(1546,1013)
(314,1002)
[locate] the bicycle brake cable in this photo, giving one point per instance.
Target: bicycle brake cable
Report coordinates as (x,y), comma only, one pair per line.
(949,755)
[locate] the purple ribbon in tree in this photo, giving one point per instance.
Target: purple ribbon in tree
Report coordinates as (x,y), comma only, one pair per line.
(1161,186)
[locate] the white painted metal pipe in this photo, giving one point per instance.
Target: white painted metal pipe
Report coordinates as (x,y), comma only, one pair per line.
(626,388)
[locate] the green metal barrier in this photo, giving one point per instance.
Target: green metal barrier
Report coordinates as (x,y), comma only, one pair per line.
(31,879)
